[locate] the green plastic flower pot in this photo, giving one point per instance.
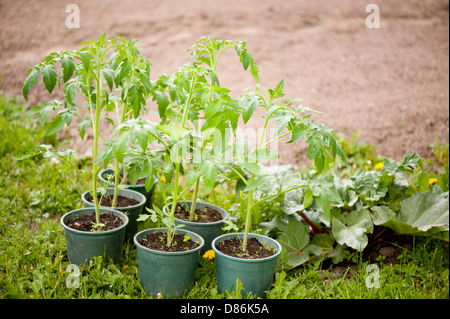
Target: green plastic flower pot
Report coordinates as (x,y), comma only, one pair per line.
(83,245)
(255,274)
(132,212)
(102,175)
(208,231)
(168,273)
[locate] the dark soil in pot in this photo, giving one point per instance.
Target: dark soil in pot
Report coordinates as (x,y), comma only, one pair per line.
(158,241)
(201,215)
(86,222)
(122,201)
(255,250)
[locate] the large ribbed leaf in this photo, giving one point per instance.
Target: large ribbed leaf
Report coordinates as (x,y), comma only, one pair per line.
(351,229)
(295,240)
(423,214)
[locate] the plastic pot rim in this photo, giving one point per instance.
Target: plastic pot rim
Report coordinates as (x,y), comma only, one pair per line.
(142,200)
(187,222)
(123,216)
(244,260)
(168,253)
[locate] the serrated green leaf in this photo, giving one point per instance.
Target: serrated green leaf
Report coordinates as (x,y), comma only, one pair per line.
(279,88)
(136,99)
(108,74)
(248,107)
(122,71)
(141,135)
(68,66)
(83,125)
(209,172)
(31,80)
(314,148)
(105,155)
(246,59)
(43,111)
(149,183)
(162,100)
(120,147)
(86,58)
(139,168)
(252,168)
(254,70)
(307,198)
(70,91)
(258,182)
(58,122)
(173,131)
(277,92)
(192,176)
(49,77)
(146,81)
(319,161)
(298,131)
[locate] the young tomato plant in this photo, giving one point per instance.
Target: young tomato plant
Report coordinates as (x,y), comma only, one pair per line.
(110,76)
(186,98)
(256,181)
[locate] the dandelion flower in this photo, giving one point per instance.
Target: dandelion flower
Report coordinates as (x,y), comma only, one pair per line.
(125,267)
(432,181)
(379,166)
(163,178)
(209,254)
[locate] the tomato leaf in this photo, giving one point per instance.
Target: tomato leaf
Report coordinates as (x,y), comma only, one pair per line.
(136,99)
(162,100)
(108,74)
(68,66)
(31,80)
(248,105)
(49,77)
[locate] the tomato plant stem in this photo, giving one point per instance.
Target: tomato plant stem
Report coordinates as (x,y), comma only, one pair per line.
(174,201)
(94,155)
(194,200)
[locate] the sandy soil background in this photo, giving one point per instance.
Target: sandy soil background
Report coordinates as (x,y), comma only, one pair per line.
(391,83)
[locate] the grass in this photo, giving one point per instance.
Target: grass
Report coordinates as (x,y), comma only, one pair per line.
(34,194)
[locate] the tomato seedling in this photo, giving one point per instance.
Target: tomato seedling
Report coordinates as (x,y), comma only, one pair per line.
(110,76)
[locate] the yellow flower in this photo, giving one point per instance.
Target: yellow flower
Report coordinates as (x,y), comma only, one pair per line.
(432,181)
(125,267)
(209,254)
(379,166)
(61,271)
(163,178)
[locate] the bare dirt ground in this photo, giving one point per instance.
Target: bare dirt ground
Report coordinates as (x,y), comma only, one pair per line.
(391,83)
